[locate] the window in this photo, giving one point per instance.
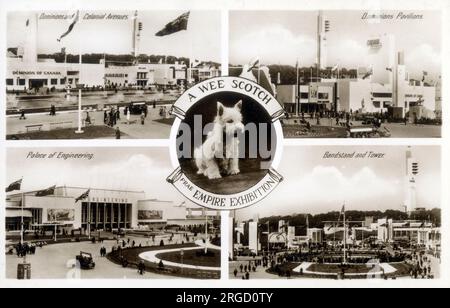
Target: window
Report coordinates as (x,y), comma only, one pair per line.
(304,95)
(9,82)
(22,82)
(382,95)
(62,81)
(54,82)
(323,95)
(377,104)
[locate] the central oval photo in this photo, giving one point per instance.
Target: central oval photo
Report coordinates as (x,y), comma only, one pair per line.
(226,143)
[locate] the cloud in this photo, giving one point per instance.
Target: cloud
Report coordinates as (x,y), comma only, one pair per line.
(273,44)
(423,58)
(347,52)
(327,188)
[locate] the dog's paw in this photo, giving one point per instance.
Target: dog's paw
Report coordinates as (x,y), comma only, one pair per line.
(214,176)
(234,172)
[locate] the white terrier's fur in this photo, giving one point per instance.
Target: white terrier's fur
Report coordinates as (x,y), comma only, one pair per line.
(219,154)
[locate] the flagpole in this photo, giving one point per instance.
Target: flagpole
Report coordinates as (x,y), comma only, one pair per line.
(345,238)
(21,221)
(79,131)
(259,70)
(22,229)
(206,232)
(89,218)
(297,96)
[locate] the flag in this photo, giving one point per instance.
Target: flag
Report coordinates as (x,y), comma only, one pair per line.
(368,74)
(389,69)
(83,196)
(196,63)
(335,68)
(160,61)
(72,25)
(253,64)
(14,186)
(176,25)
(46,192)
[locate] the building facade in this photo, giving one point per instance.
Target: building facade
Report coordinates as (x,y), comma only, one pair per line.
(104,209)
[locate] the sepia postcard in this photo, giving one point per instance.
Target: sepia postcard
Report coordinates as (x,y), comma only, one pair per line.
(210,149)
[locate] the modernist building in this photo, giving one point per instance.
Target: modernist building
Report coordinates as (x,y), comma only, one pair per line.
(384,86)
(25,71)
(103,210)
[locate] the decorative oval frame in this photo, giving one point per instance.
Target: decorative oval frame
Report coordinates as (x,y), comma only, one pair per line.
(250,196)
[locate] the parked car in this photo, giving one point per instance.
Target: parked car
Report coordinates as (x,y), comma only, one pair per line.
(85,260)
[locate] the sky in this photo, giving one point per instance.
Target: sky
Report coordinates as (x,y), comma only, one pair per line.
(201,41)
(316,185)
(134,169)
(282,37)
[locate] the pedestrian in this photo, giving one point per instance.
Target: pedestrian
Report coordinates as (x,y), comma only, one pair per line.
(22,115)
(118,133)
(247,276)
(88,119)
(143,118)
(141,267)
(128,117)
(235,272)
(118,114)
(105,117)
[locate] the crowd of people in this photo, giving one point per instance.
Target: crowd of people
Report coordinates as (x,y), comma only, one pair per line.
(22,250)
(245,269)
(420,266)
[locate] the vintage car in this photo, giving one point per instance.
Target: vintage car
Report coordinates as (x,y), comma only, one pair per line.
(85,260)
(137,108)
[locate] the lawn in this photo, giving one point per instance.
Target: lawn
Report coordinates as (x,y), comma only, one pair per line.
(191,258)
(300,131)
(90,132)
(336,268)
(132,256)
(168,121)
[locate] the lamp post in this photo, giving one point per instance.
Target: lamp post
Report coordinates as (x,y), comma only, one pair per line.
(80,87)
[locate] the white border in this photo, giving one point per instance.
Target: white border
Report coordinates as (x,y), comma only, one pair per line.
(440,5)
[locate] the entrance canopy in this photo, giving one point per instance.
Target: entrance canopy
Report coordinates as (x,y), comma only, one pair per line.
(18,213)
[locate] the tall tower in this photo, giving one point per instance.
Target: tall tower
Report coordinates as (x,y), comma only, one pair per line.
(412,170)
(30,45)
(137,28)
(323,27)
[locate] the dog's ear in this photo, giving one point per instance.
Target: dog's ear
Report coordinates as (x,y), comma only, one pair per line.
(220,109)
(238,105)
